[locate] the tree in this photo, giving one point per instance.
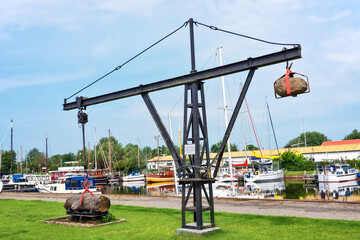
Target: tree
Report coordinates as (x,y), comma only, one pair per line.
(251,147)
(215,147)
(312,139)
(295,162)
(6,162)
(355,134)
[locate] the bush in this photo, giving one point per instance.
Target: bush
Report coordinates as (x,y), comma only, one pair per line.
(292,161)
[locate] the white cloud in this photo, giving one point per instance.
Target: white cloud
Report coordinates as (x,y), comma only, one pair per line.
(67,14)
(26,81)
(331,18)
(343,47)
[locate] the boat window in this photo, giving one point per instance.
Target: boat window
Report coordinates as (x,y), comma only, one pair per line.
(91,183)
(73,183)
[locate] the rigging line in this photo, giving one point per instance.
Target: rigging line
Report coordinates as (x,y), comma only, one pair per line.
(7,130)
(272,126)
(120,66)
(249,37)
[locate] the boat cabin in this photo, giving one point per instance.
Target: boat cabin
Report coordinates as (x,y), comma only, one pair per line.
(77,183)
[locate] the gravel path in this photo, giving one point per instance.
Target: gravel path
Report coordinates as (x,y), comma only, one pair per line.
(298,208)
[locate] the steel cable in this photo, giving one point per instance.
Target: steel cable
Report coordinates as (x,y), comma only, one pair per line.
(245,36)
(120,66)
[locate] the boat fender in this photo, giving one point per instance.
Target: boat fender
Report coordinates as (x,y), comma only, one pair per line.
(257,172)
(1,186)
(335,195)
(322,195)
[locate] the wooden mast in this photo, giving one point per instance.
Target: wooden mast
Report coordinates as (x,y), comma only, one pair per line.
(109,154)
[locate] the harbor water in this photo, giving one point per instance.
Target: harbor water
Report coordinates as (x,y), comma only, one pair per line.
(347,191)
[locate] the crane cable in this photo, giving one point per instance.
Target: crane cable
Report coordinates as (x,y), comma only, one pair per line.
(246,36)
(120,66)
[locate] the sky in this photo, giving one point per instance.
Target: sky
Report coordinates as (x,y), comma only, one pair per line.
(52,49)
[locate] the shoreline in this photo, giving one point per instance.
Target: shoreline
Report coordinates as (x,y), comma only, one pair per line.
(271,207)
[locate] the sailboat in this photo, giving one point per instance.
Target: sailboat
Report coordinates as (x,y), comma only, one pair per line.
(135,176)
(263,173)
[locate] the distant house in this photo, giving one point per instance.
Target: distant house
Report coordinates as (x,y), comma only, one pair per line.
(328,151)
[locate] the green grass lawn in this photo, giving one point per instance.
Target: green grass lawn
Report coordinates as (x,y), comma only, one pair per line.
(20,220)
(296,173)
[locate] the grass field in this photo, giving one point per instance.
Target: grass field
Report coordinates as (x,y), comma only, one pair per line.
(296,173)
(20,220)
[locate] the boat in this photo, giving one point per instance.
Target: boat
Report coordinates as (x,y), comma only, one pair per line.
(165,174)
(134,178)
(337,189)
(262,190)
(99,176)
(337,173)
(263,175)
(225,176)
(65,171)
(38,178)
(17,183)
(73,184)
(1,186)
(161,188)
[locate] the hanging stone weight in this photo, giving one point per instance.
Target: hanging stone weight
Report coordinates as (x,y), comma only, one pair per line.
(297,86)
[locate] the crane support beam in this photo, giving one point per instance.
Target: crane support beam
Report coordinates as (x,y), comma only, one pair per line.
(164,133)
(250,63)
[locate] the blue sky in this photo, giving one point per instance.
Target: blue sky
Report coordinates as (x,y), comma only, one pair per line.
(51,49)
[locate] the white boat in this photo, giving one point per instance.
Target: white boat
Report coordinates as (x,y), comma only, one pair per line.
(17,183)
(38,178)
(262,190)
(263,175)
(337,173)
(68,185)
(337,189)
(134,178)
(1,186)
(225,176)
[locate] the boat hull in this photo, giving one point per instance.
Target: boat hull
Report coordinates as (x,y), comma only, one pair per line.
(134,178)
(265,177)
(157,178)
(334,178)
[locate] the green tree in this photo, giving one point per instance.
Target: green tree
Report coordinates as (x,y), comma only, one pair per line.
(251,147)
(312,139)
(215,147)
(6,162)
(295,162)
(355,134)
(36,160)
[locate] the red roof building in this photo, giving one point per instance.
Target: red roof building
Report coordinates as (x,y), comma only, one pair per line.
(343,142)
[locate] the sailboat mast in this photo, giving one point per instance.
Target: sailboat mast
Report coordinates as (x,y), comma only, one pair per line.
(171,134)
(11,151)
(245,143)
(21,163)
(89,157)
(95,149)
(109,154)
(138,154)
(225,113)
(272,126)
(180,141)
(46,153)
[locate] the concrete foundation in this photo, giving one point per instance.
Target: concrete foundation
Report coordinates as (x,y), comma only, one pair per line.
(197,231)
